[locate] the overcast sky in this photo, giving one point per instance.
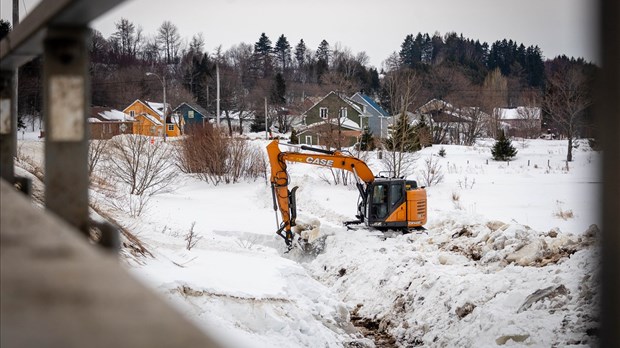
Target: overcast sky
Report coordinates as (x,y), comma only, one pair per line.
(377,27)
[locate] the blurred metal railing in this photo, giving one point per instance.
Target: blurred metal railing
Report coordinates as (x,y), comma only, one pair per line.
(57,30)
(56,290)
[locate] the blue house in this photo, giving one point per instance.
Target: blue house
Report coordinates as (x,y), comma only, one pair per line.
(192,114)
(378,118)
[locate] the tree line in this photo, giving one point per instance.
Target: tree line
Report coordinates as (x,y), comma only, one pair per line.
(450,67)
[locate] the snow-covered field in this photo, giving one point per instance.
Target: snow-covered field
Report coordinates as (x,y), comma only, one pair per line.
(509,256)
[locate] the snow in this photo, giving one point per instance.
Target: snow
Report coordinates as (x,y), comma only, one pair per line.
(158,107)
(115,115)
(519,112)
(509,256)
(154,120)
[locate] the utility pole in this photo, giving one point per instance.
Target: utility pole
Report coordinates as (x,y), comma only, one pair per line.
(217,77)
(14,87)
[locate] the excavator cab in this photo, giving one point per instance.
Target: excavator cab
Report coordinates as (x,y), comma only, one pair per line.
(394,204)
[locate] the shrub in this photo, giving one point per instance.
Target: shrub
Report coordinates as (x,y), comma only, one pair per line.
(216,158)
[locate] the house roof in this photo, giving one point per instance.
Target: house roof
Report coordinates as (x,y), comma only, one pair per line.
(152,119)
(353,104)
(371,103)
(195,107)
(158,107)
(446,112)
(105,114)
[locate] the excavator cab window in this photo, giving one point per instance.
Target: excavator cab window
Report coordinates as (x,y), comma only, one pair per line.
(396,195)
(379,208)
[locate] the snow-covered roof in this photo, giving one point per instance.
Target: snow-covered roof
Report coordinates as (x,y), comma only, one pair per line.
(158,107)
(153,119)
(93,120)
(519,113)
(344,123)
(115,115)
(348,123)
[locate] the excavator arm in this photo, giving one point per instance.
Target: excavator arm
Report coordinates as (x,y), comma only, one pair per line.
(284,199)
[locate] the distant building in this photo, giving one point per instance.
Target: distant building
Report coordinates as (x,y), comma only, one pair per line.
(104,123)
(149,119)
(375,117)
(192,114)
(331,117)
(448,123)
(522,121)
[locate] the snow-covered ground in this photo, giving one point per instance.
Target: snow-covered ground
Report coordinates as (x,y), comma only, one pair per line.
(509,256)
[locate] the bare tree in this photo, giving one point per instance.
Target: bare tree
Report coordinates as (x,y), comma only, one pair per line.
(126,40)
(403,87)
(475,125)
(495,96)
(96,152)
(567,98)
(146,168)
(432,172)
(169,40)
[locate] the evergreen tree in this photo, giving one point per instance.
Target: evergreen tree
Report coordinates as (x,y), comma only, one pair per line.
(300,53)
(262,56)
(423,137)
(263,45)
(278,90)
(294,137)
(367,141)
(283,52)
(407,52)
(322,54)
(258,124)
(403,138)
(196,75)
(502,149)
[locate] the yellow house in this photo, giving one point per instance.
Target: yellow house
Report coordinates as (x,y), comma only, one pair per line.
(149,119)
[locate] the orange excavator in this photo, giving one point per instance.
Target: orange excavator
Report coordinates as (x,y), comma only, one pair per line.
(384,203)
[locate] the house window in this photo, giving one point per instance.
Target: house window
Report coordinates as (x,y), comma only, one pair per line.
(308,139)
(132,113)
(323,113)
(170,127)
(343,112)
(190,114)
